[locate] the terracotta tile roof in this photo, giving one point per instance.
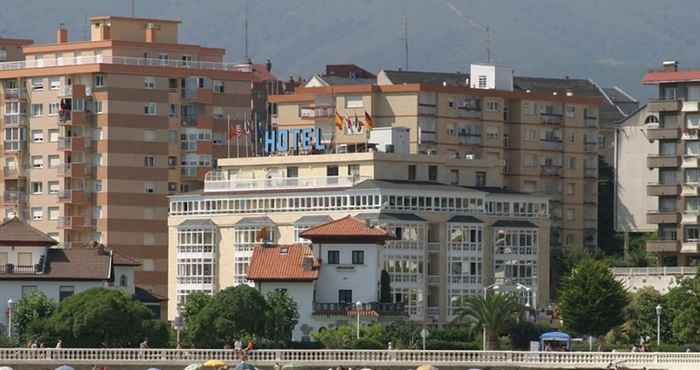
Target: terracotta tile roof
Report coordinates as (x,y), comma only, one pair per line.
(282,263)
(16,232)
(119,260)
(671,76)
(70,264)
(347,226)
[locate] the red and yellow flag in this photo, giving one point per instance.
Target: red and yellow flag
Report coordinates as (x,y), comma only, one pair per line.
(369,122)
(338,121)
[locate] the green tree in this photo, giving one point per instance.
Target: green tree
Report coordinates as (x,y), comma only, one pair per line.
(641,316)
(591,300)
(196,301)
(385,287)
(101,317)
(232,314)
(494,313)
(345,337)
(404,334)
(282,316)
(682,309)
(29,316)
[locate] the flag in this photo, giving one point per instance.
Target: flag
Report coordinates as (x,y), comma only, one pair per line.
(235,132)
(338,121)
(369,122)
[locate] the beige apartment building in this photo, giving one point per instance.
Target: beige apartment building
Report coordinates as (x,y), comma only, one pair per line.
(96,133)
(548,141)
(452,238)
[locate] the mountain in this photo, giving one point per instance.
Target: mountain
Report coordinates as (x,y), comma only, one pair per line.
(612,42)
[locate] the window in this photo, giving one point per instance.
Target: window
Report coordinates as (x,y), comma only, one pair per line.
(354,102)
(532,134)
(37,187)
(54,187)
(172,162)
(332,171)
(572,138)
(432,173)
(65,292)
(570,188)
(78,105)
(150,109)
(172,83)
(411,172)
(172,187)
(293,172)
(123,281)
(149,161)
(53,135)
(37,136)
(358,257)
(98,186)
(97,134)
(37,84)
(186,60)
(480,178)
(692,233)
(37,213)
(482,82)
(37,161)
(37,110)
(54,83)
(99,80)
(345,296)
(570,111)
(53,109)
(218,86)
(98,107)
(149,187)
(353,170)
(454,177)
(493,106)
(53,213)
(570,214)
(333,257)
(149,82)
(572,163)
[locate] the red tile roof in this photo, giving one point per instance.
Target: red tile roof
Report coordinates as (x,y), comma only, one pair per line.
(70,264)
(260,73)
(282,263)
(15,232)
(656,77)
(347,226)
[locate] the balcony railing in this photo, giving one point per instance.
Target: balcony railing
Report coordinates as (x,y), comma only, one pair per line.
(19,269)
(14,93)
(590,172)
(15,119)
(133,61)
(347,308)
(590,121)
(11,196)
(316,112)
(427,137)
(552,143)
(551,170)
(655,271)
(551,118)
(282,183)
(14,146)
(13,172)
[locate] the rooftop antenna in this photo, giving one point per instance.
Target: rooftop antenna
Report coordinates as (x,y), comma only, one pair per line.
(477,25)
(245,31)
(405,40)
(133,8)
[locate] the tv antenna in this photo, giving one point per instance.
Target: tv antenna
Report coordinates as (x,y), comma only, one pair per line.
(486,29)
(404,38)
(133,8)
(245,31)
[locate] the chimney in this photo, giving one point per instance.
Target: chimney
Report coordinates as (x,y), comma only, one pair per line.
(670,66)
(268,65)
(61,34)
(151,32)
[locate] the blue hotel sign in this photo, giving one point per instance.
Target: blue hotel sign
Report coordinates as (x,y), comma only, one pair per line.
(279,141)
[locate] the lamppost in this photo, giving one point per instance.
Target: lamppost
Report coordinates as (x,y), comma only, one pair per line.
(177,323)
(358,304)
(528,303)
(10,302)
(658,324)
(483,325)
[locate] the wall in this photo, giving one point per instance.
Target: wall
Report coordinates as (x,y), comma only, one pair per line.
(363,279)
(303,294)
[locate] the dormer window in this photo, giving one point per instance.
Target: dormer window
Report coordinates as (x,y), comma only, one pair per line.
(123,281)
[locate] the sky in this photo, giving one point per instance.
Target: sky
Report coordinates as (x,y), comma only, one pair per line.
(611,42)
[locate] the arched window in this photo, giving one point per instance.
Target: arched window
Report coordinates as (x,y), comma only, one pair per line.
(652,118)
(123,281)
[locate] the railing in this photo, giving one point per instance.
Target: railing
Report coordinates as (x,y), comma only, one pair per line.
(590,172)
(15,119)
(427,136)
(654,271)
(314,112)
(356,358)
(551,118)
(551,170)
(14,93)
(19,269)
(590,121)
(12,171)
(345,308)
(281,183)
(14,146)
(11,196)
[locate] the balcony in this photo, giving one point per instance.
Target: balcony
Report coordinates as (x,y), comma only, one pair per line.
(14,93)
(14,146)
(590,121)
(66,91)
(76,196)
(690,247)
(690,190)
(316,112)
(427,137)
(690,162)
(348,309)
(14,120)
(663,217)
(201,95)
(690,133)
(75,222)
(662,161)
(656,190)
(551,118)
(71,170)
(664,105)
(71,143)
(551,170)
(469,139)
(689,218)
(552,143)
(590,172)
(20,269)
(282,183)
(11,173)
(663,133)
(660,246)
(13,197)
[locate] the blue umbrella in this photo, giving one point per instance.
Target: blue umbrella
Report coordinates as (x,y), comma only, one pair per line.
(64,367)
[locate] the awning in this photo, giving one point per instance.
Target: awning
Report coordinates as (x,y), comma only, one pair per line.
(313,220)
(465,220)
(255,221)
(555,336)
(196,224)
(514,223)
(391,217)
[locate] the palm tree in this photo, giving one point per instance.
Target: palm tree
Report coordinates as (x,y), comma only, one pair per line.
(493,313)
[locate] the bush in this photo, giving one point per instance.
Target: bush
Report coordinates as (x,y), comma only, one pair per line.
(305,345)
(523,332)
(438,344)
(368,343)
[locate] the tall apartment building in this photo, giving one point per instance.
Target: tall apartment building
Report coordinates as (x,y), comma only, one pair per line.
(671,123)
(96,133)
(548,140)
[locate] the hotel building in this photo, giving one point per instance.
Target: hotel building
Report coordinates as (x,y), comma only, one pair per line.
(547,140)
(96,133)
(455,229)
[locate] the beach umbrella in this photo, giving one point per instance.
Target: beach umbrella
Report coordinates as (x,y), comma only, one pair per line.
(6,368)
(214,363)
(194,366)
(64,367)
(152,368)
(427,367)
(365,368)
(245,366)
(292,366)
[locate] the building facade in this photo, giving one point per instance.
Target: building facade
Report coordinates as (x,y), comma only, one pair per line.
(456,229)
(548,140)
(97,133)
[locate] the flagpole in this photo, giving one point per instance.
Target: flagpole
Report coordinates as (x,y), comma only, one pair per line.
(238,140)
(228,134)
(247,133)
(255,135)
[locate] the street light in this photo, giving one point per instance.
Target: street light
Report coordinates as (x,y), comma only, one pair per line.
(358,304)
(10,302)
(658,324)
(483,325)
(177,323)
